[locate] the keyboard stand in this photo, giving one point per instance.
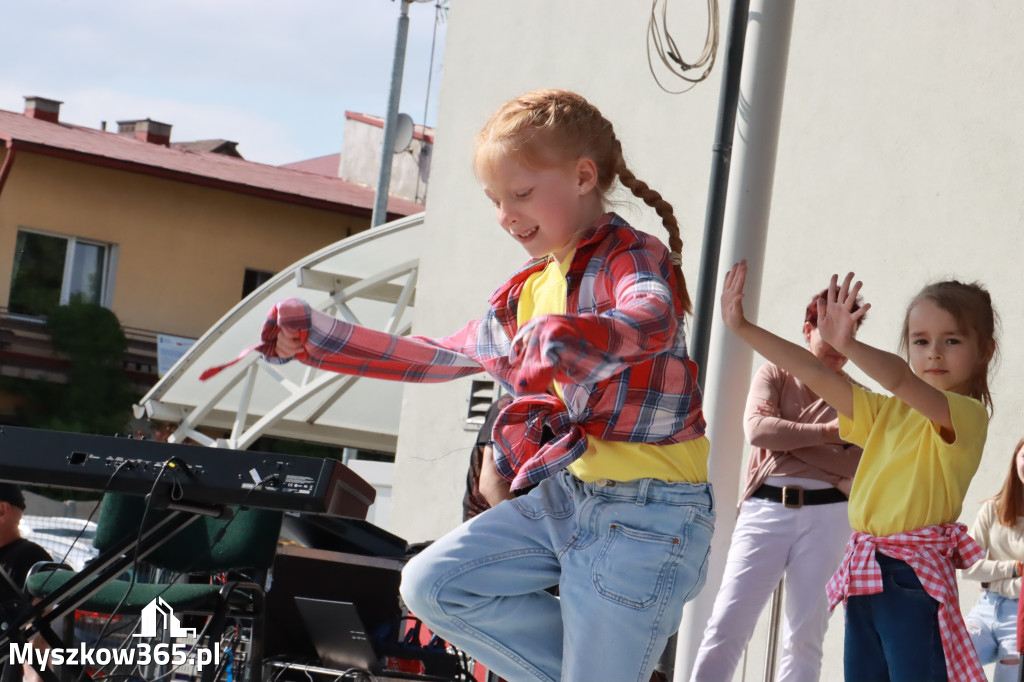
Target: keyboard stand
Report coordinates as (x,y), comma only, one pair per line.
(37,618)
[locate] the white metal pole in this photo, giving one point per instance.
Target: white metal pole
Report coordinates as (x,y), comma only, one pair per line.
(744,236)
(387,152)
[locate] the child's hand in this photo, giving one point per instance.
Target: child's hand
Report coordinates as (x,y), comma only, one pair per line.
(288,343)
(534,371)
(732,296)
(836,323)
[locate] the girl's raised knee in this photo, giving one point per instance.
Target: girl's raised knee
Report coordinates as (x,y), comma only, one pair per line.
(414,585)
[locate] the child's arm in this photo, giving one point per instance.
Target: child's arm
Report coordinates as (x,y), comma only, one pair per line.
(988,569)
(837,326)
(294,330)
(589,347)
(493,487)
(830,387)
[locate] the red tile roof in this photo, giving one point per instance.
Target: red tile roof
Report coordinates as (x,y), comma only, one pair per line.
(88,145)
(321,165)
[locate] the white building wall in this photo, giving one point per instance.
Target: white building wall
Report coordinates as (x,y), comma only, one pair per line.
(360,161)
(901,158)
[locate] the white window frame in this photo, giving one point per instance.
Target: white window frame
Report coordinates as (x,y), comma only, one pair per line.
(110,253)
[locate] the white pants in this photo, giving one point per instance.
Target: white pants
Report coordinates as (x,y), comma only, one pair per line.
(807,545)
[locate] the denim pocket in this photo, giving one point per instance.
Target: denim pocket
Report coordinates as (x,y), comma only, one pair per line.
(547,499)
(634,565)
(903,579)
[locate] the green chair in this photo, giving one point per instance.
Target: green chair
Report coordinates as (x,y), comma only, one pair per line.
(208,546)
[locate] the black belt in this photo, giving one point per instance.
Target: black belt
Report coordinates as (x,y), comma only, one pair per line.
(795,496)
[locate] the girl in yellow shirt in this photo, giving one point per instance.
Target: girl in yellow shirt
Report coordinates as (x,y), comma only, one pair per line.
(921,446)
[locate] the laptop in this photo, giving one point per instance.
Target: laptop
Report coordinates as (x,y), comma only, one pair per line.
(338,634)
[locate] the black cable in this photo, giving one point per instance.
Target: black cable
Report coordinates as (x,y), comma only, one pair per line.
(217,538)
(178,574)
(95,508)
(135,559)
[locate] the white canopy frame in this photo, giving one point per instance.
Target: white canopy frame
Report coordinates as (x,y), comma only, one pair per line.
(368,279)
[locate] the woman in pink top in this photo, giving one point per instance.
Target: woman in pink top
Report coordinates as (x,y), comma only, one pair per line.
(793,520)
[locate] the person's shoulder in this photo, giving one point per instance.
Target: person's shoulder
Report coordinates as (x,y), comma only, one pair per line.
(867,394)
(966,403)
(988,513)
(771,372)
(880,405)
(23,548)
(35,548)
(616,241)
(634,237)
(968,413)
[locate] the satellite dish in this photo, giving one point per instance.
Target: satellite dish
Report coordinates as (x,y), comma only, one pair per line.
(403,132)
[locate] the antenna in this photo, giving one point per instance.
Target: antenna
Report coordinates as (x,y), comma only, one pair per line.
(403,133)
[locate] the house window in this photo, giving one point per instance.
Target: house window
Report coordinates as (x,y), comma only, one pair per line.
(253,280)
(51,270)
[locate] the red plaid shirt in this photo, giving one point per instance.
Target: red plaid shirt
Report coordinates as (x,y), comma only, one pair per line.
(620,353)
(934,553)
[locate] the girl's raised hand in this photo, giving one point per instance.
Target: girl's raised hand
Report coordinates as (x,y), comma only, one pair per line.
(732,296)
(288,343)
(837,322)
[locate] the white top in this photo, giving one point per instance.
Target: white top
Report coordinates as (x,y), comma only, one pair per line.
(1003,547)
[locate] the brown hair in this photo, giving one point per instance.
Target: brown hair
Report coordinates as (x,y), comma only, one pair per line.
(971,307)
(1009,498)
(547,127)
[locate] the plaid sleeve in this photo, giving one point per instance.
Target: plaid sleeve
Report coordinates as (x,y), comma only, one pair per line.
(590,347)
(347,348)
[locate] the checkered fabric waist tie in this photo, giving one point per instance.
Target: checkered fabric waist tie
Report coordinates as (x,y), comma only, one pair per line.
(520,454)
(934,552)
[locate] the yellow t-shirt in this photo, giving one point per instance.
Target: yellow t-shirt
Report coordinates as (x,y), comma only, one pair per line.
(909,476)
(544,293)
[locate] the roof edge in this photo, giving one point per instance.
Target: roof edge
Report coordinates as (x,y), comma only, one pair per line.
(190,178)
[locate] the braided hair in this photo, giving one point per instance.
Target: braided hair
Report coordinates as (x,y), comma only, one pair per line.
(547,127)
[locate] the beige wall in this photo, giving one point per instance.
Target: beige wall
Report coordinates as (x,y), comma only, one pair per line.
(901,157)
(183,249)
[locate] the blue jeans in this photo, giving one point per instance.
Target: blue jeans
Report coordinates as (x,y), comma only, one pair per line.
(992,624)
(626,557)
(893,636)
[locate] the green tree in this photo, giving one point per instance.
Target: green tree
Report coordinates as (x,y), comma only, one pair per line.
(97,397)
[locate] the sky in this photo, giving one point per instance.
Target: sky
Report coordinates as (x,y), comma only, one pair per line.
(275,77)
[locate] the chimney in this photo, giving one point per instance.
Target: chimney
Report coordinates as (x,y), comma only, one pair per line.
(146,130)
(42,108)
